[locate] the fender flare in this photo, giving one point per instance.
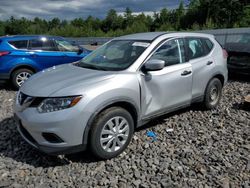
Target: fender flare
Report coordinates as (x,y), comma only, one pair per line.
(23,65)
(101,108)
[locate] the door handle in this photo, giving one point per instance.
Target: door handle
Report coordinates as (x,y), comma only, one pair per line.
(209,62)
(184,73)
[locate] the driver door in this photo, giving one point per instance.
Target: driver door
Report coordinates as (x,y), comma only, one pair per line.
(70,52)
(170,88)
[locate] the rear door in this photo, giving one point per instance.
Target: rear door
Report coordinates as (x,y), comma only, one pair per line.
(44,52)
(13,53)
(169,88)
(202,61)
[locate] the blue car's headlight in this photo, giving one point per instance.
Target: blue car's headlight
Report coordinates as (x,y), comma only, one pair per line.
(56,104)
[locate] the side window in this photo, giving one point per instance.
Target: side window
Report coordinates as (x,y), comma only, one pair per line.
(172,52)
(42,44)
(195,48)
(19,44)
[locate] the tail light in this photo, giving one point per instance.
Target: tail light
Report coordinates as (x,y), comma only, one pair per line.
(225,54)
(4,53)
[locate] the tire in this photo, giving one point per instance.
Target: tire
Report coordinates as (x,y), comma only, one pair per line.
(100,125)
(17,74)
(213,94)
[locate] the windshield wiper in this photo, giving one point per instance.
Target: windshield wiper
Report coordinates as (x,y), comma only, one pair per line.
(89,66)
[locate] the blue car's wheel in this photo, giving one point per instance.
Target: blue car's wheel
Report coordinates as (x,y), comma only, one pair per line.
(20,76)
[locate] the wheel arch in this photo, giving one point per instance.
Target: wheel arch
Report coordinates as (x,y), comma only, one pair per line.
(220,77)
(22,66)
(126,104)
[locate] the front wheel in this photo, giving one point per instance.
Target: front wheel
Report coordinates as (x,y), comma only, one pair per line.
(213,94)
(111,132)
(20,76)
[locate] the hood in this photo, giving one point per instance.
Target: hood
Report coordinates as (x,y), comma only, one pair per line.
(49,81)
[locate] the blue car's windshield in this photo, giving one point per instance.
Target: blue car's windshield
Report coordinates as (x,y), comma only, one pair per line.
(115,55)
(66,46)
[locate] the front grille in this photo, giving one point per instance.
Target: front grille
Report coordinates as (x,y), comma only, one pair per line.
(21,98)
(26,134)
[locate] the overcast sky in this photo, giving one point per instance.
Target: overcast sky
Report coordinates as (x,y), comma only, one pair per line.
(69,9)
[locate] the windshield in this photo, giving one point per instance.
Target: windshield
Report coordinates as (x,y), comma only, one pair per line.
(115,55)
(66,46)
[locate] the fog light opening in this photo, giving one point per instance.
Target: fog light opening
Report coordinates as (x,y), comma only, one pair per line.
(52,138)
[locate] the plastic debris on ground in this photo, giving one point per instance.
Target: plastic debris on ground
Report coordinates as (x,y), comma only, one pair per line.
(169,130)
(152,135)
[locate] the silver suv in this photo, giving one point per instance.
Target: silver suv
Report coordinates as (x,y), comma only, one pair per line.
(100,100)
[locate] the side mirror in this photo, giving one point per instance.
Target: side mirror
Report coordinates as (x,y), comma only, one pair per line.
(154,65)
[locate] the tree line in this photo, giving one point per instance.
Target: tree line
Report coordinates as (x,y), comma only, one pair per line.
(197,15)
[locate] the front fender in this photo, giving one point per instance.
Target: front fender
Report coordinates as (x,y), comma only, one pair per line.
(105,94)
(104,105)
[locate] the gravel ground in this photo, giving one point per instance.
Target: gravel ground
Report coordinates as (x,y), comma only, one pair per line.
(205,149)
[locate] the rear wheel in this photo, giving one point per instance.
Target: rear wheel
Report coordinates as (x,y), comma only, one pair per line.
(20,76)
(111,132)
(213,93)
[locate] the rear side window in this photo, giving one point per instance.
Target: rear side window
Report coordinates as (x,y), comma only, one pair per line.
(208,45)
(42,44)
(195,48)
(19,44)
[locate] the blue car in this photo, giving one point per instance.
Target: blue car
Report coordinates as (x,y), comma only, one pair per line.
(21,56)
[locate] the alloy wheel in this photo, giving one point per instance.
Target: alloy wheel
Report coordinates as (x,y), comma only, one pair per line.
(214,94)
(114,134)
(22,77)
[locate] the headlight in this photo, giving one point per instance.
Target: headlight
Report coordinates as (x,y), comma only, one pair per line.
(56,104)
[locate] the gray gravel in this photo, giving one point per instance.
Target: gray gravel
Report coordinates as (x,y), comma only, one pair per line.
(205,149)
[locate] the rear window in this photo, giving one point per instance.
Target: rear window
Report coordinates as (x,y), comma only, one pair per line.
(19,44)
(234,38)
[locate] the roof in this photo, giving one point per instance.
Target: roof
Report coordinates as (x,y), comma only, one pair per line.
(150,36)
(142,36)
(26,36)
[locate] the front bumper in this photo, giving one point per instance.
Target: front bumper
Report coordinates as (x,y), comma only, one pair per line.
(46,149)
(68,125)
